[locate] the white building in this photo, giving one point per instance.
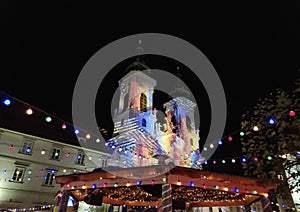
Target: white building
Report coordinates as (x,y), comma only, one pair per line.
(29,164)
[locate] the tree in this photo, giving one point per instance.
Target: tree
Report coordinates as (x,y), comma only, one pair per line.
(271,143)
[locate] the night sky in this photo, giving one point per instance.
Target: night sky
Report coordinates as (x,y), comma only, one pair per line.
(253,48)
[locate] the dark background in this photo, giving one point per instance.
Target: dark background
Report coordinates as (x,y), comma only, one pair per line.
(253,47)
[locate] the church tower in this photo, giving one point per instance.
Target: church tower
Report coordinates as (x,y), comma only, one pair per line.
(136,98)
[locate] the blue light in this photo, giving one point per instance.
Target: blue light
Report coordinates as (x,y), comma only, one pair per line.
(271,121)
(220,142)
(283,205)
(139,182)
(6,102)
(45,177)
(52,171)
(76,131)
(236,190)
(205,162)
(28,150)
(78,157)
(94,186)
(244,160)
(113,146)
(192,184)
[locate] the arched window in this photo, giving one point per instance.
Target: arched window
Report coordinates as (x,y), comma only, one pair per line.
(144,123)
(143,102)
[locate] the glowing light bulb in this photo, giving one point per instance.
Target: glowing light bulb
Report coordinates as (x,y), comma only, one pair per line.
(271,121)
(204,186)
(229,138)
(29,111)
(214,162)
(76,131)
(48,119)
(11,147)
(217,187)
(220,142)
(205,148)
(65,170)
(255,128)
(83,187)
(242,133)
(68,155)
(127,184)
(178,183)
(211,146)
(97,140)
(244,160)
(225,188)
(88,136)
(43,152)
(233,160)
(63,126)
(139,183)
(255,159)
(116,185)
(192,184)
(153,182)
(292,113)
(94,186)
(223,161)
(236,190)
(269,157)
(6,102)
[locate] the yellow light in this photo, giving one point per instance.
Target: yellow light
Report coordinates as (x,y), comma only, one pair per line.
(266,194)
(179,183)
(225,189)
(65,170)
(83,187)
(127,184)
(211,146)
(255,128)
(29,111)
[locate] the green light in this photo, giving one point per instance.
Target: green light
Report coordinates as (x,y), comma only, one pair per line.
(74,170)
(48,119)
(216,187)
(56,154)
(254,192)
(204,148)
(28,178)
(242,133)
(29,172)
(116,185)
(164,179)
(223,161)
(73,187)
(97,140)
(269,157)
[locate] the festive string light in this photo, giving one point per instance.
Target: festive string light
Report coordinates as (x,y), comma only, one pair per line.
(94,186)
(204,186)
(29,171)
(138,183)
(116,185)
(271,121)
(244,159)
(11,147)
(269,157)
(178,183)
(48,119)
(204,148)
(29,111)
(255,128)
(211,146)
(164,179)
(68,154)
(216,187)
(6,102)
(152,182)
(192,184)
(76,131)
(214,162)
(236,190)
(242,133)
(127,184)
(254,192)
(233,160)
(220,142)
(65,170)
(255,159)
(223,161)
(229,138)
(63,126)
(97,140)
(43,152)
(84,186)
(225,188)
(292,113)
(88,136)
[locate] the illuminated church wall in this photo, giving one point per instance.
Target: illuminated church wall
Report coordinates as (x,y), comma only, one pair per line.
(138,137)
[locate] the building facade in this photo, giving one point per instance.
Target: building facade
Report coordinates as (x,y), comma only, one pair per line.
(29,165)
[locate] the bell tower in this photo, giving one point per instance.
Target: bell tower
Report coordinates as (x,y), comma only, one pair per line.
(136,97)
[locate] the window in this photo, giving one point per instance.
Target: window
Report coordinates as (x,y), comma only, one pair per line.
(18,175)
(104,163)
(144,123)
(80,159)
(49,178)
(143,102)
(26,148)
(55,154)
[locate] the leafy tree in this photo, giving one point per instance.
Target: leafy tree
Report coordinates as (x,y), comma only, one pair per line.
(271,142)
